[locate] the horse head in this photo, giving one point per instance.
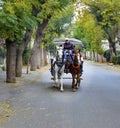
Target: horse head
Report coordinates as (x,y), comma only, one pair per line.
(76,58)
(59,56)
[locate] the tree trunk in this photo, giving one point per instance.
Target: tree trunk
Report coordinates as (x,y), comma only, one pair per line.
(39,36)
(10,61)
(93,55)
(19,64)
(20,51)
(41,57)
(112,47)
(91,58)
(34,57)
(38,58)
(45,56)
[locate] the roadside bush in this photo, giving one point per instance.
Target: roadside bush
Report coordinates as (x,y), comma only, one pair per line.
(118,52)
(116,59)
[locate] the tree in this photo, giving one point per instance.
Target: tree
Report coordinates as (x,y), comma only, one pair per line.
(46,13)
(89,32)
(107,15)
(58,26)
(20,50)
(15,19)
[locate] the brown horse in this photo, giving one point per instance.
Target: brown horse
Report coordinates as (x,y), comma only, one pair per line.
(75,71)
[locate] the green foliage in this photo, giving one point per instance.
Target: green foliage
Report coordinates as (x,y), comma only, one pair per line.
(66,3)
(88,31)
(106,13)
(77,47)
(51,7)
(109,17)
(118,52)
(116,59)
(18,16)
(58,24)
(52,49)
(15,18)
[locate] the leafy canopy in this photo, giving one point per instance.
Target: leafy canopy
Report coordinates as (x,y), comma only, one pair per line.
(15,18)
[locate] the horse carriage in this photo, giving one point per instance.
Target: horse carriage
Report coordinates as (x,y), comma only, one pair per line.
(61,66)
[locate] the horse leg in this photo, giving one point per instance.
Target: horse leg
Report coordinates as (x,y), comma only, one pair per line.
(56,84)
(73,82)
(61,84)
(57,80)
(61,79)
(78,80)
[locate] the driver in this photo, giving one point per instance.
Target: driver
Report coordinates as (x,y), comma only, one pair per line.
(68,46)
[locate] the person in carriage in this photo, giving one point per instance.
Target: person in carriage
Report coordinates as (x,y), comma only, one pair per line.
(67,47)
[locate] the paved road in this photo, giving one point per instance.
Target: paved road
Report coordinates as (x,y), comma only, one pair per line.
(95,105)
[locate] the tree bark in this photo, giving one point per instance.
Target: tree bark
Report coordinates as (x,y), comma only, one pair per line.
(20,51)
(45,56)
(10,61)
(112,47)
(41,57)
(40,33)
(93,54)
(38,59)
(34,57)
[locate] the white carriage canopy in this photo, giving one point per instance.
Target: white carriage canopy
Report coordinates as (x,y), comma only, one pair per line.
(60,41)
